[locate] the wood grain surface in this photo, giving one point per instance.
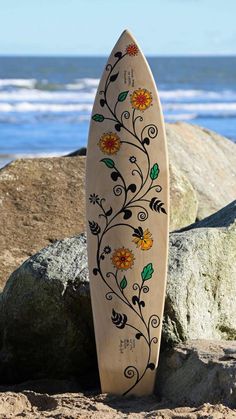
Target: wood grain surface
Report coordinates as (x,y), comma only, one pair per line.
(127,218)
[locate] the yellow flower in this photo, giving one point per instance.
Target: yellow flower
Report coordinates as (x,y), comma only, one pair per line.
(141,99)
(109,143)
(122,259)
(142,239)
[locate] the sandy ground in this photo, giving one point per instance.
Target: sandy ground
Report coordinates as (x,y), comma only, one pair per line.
(32,405)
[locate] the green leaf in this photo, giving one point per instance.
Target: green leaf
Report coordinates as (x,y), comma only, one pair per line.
(109,163)
(154,171)
(147,272)
(98,118)
(123,283)
(122,96)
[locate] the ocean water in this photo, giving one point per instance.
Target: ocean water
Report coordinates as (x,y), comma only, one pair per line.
(46,103)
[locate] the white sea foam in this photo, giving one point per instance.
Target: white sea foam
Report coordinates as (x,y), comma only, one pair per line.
(84,90)
(169,98)
(175,94)
(78,84)
(35,95)
(29,83)
(183,94)
(172,109)
(83,84)
(77,98)
(180,116)
(44,107)
(32,155)
(201,107)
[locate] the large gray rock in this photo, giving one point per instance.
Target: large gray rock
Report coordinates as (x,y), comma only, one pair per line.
(46,316)
(183,200)
(208,160)
(201,286)
(46,323)
(225,217)
(43,200)
(199,372)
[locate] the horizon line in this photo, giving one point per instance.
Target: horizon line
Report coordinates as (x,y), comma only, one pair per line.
(200,55)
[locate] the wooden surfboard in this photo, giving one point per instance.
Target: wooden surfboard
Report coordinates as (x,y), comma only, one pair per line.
(127,218)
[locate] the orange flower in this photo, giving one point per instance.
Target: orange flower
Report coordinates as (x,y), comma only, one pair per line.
(142,239)
(132,49)
(141,99)
(122,259)
(109,143)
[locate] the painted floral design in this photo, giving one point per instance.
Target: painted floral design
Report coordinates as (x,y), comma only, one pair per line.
(141,99)
(132,49)
(142,239)
(93,199)
(107,250)
(132,159)
(109,143)
(123,259)
(137,197)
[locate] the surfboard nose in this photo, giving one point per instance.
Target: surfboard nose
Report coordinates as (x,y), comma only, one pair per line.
(127,37)
(127,32)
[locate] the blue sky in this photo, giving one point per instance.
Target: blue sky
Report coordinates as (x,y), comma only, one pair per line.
(91,27)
